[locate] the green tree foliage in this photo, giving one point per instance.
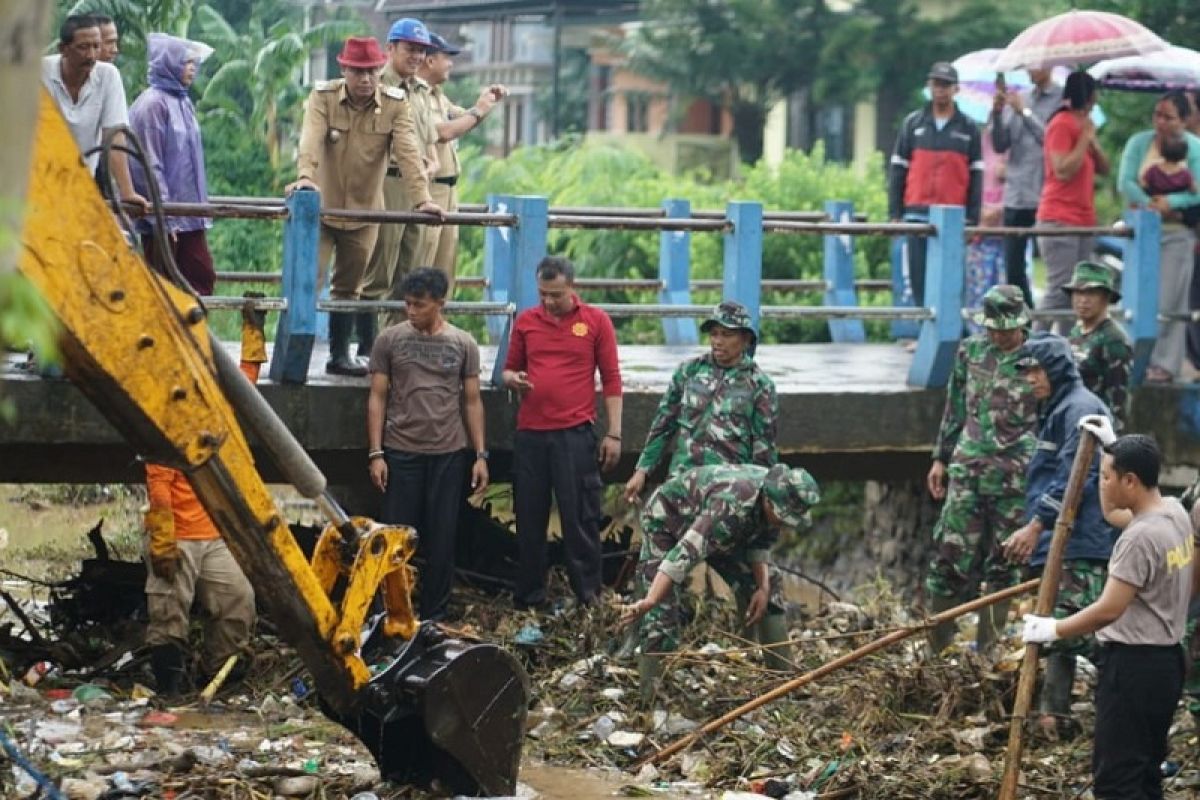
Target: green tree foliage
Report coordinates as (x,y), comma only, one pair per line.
(744,54)
(570,112)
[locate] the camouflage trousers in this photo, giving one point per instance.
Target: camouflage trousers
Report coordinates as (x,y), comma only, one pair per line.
(968,537)
(660,629)
(1080,585)
(1191,684)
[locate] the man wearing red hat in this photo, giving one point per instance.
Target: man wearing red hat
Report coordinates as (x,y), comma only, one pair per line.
(351,127)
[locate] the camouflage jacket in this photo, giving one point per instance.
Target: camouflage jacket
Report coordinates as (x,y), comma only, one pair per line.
(721,415)
(710,511)
(1104,357)
(989,426)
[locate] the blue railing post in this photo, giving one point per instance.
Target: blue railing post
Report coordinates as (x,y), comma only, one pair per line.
(743,258)
(497,265)
(528,248)
(839,274)
(1139,287)
(298,323)
(944,268)
(674,270)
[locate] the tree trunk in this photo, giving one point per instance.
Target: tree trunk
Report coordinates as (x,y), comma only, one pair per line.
(23,27)
(748,121)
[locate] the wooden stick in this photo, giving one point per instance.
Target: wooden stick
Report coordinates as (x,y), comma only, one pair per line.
(823,670)
(1047,594)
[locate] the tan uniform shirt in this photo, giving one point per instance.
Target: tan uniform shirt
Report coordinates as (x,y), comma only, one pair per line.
(344,150)
(443,111)
(417,92)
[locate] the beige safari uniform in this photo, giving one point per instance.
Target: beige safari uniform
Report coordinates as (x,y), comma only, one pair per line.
(399,245)
(344,150)
(441,242)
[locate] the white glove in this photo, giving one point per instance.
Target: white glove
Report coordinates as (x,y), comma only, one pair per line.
(1039,629)
(1099,426)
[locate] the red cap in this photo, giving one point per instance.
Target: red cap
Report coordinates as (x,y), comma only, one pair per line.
(361,52)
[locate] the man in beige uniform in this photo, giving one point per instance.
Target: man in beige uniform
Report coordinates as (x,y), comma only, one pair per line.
(450,122)
(350,128)
(399,245)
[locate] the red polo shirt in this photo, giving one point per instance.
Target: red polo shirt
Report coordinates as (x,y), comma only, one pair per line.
(561,356)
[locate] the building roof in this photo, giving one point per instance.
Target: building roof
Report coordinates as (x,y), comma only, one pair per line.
(572,11)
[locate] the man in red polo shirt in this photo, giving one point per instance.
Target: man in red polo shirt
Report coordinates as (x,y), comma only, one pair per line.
(555,351)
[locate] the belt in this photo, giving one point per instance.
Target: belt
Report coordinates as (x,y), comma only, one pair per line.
(394,172)
(448,180)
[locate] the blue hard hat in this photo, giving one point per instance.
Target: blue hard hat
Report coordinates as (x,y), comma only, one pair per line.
(409,30)
(442,46)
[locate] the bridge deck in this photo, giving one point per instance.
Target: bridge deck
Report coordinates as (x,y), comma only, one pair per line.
(845,411)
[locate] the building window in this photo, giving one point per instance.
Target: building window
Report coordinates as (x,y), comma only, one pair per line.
(637,112)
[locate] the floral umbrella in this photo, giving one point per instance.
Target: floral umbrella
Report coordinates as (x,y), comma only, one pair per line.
(1173,68)
(1079,37)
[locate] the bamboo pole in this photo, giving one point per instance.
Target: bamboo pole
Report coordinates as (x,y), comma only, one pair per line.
(1047,594)
(823,670)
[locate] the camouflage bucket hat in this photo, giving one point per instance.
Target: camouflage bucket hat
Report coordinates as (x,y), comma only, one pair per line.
(732,315)
(1090,275)
(792,493)
(1003,309)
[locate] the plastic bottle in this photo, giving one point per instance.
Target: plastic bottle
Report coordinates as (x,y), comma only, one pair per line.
(41,669)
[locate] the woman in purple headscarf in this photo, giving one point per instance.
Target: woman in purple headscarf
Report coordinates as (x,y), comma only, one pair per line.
(165,121)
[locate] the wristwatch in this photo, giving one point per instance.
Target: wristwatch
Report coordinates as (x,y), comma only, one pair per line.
(482,454)
(476,113)
(1027,112)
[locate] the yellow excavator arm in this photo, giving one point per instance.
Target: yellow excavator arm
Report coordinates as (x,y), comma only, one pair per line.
(439,710)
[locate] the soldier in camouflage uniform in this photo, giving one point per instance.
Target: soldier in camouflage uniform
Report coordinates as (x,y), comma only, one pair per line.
(720,408)
(1049,366)
(1101,346)
(728,516)
(983,446)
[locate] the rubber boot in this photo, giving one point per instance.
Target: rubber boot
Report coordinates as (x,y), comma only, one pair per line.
(771,630)
(942,635)
(649,672)
(364,326)
(1056,685)
(992,622)
(166,661)
(340,362)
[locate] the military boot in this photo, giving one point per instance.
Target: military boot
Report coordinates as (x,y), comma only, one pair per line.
(340,362)
(649,673)
(773,630)
(364,326)
(942,636)
(992,622)
(166,661)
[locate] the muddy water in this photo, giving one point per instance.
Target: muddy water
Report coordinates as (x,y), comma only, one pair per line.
(564,783)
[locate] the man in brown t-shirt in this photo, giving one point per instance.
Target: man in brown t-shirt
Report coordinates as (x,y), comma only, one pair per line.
(423,410)
(1139,619)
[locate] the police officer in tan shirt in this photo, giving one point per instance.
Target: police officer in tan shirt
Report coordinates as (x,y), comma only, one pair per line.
(399,245)
(449,122)
(350,127)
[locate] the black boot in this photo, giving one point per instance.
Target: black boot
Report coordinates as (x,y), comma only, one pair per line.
(340,362)
(166,660)
(364,325)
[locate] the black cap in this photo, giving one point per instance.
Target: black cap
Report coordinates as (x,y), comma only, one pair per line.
(943,71)
(440,45)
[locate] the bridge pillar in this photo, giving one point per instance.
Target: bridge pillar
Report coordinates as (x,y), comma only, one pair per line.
(527,248)
(297,326)
(674,269)
(1139,287)
(944,269)
(743,258)
(839,274)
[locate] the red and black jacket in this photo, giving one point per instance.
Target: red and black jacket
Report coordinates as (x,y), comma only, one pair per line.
(932,167)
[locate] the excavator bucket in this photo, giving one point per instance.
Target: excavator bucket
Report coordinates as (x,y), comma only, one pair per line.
(446,714)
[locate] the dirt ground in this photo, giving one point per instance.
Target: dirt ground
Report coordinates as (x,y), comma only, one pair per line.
(898,724)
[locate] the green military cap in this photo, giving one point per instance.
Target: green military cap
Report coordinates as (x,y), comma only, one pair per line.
(730,314)
(1090,275)
(1003,309)
(792,493)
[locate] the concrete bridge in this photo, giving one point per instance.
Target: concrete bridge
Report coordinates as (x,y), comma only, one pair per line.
(846,413)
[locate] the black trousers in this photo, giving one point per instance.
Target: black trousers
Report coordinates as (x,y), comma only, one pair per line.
(426,492)
(1014,249)
(564,462)
(918,249)
(1136,694)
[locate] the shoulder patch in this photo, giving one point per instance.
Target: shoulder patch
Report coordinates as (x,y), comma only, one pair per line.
(394,92)
(325,86)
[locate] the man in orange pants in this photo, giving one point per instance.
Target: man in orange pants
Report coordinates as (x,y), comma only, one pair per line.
(187,558)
